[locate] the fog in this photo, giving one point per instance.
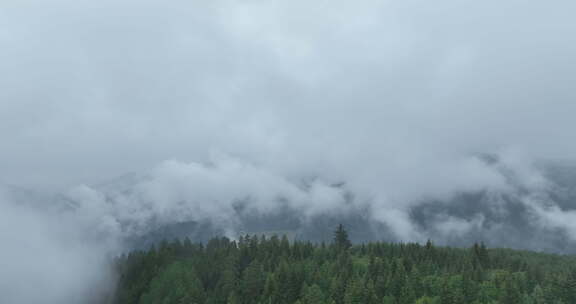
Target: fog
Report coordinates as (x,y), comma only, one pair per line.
(50,258)
(273,103)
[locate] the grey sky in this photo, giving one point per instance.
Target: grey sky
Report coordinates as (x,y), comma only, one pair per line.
(93,89)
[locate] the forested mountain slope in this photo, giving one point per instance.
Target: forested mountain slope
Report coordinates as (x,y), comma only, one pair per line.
(530,210)
(274,270)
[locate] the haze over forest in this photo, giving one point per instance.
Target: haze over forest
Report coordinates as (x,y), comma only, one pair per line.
(124,122)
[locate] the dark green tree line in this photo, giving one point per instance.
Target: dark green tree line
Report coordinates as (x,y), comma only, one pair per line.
(273,270)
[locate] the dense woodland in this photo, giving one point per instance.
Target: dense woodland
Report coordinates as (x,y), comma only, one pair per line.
(273,270)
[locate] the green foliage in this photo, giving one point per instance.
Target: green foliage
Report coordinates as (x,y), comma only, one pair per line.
(276,271)
(176,284)
(313,295)
(427,300)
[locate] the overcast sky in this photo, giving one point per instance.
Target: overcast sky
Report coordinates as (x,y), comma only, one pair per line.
(92,89)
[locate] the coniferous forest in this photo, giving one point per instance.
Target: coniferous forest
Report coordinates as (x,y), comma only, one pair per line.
(256,269)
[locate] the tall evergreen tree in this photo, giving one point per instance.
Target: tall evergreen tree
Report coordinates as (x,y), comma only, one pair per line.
(341,239)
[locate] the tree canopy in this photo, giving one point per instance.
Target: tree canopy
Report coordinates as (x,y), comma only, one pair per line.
(258,270)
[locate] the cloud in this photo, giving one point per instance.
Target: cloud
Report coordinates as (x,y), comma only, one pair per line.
(229,192)
(218,191)
(50,258)
(109,87)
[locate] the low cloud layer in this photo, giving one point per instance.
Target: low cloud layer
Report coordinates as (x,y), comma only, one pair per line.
(386,109)
(494,192)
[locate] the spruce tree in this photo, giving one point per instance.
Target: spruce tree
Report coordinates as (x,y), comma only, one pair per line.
(341,239)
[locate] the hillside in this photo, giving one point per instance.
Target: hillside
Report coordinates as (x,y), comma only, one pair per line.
(530,210)
(274,270)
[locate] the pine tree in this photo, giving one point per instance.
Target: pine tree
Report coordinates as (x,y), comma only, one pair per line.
(341,238)
(177,284)
(538,295)
(338,289)
(355,292)
(568,286)
(510,293)
(312,295)
(233,298)
(253,282)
